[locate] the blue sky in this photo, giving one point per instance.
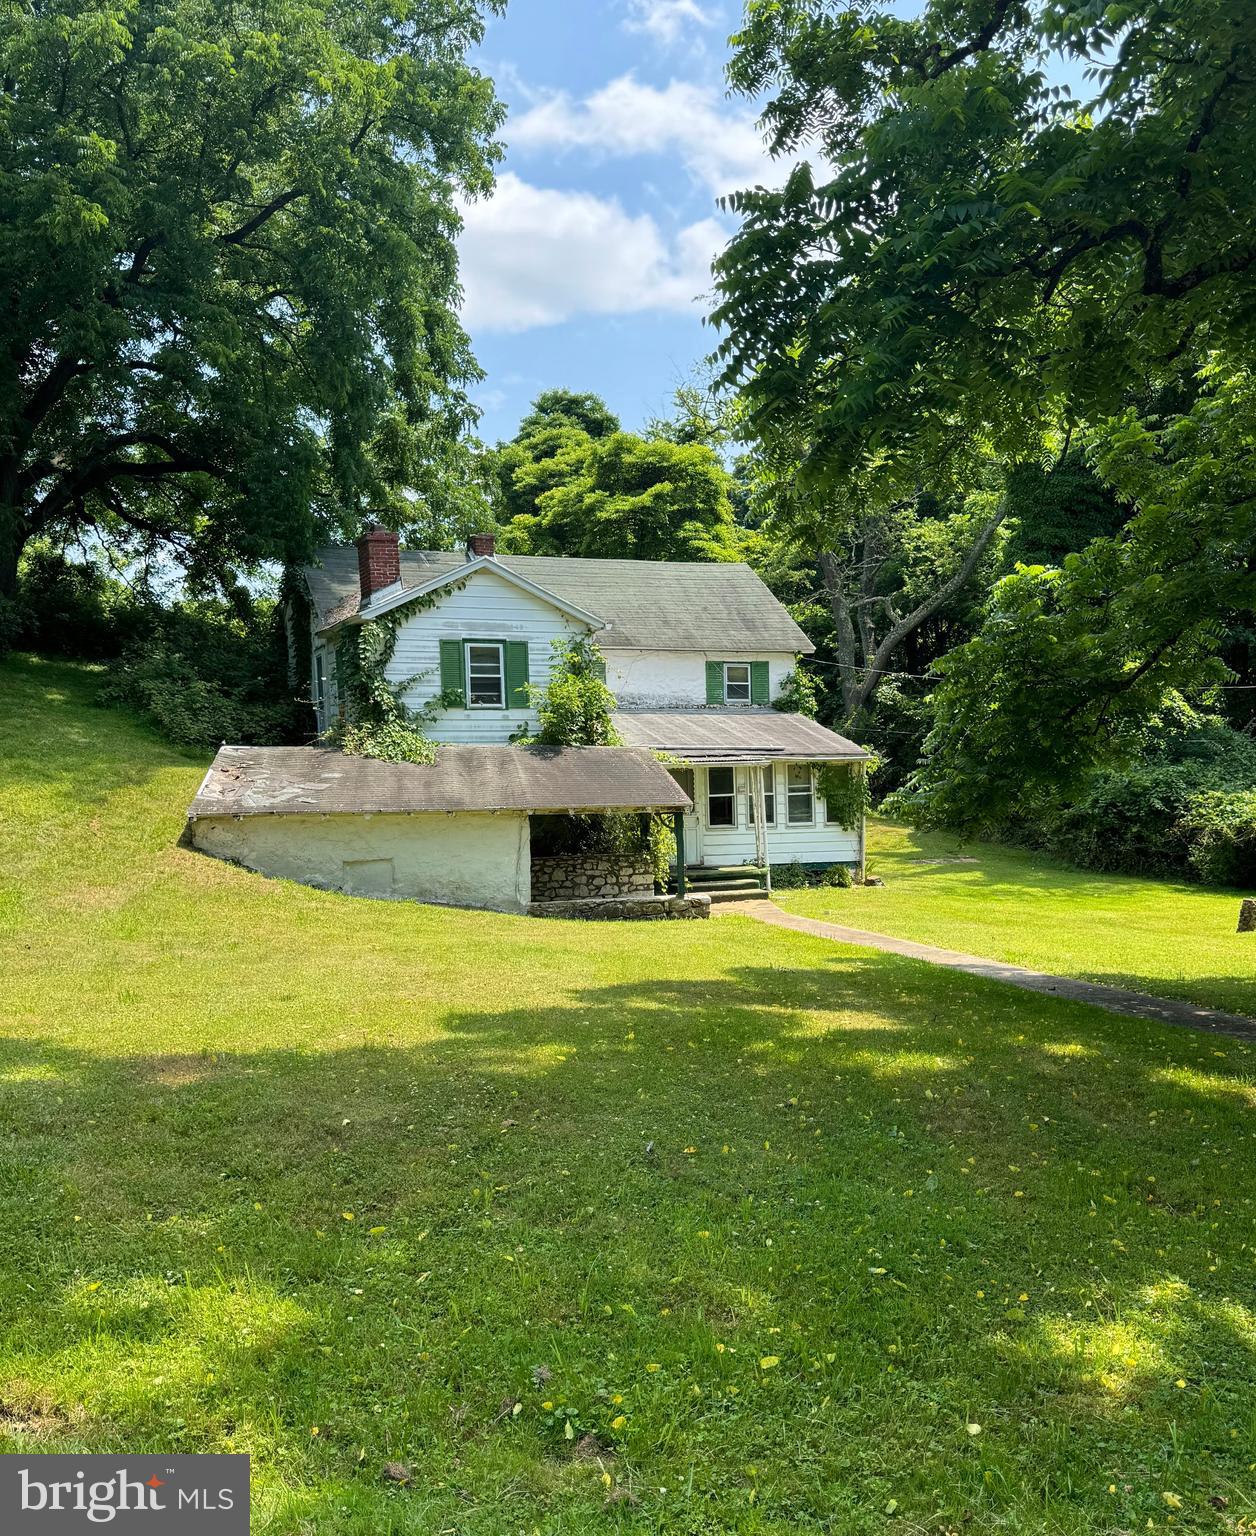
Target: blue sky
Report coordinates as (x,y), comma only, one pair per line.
(588,267)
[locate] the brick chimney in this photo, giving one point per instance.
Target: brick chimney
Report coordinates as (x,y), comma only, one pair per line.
(480,544)
(379,561)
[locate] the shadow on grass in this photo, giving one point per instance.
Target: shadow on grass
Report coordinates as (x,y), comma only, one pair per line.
(929,1200)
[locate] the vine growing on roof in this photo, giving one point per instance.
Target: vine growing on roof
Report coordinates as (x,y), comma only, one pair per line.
(378,723)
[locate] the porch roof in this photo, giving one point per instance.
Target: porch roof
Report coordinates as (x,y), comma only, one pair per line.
(736,736)
(259,781)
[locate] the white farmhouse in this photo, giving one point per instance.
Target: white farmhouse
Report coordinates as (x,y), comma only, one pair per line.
(696,656)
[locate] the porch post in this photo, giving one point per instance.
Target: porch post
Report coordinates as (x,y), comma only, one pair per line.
(678,823)
(761,811)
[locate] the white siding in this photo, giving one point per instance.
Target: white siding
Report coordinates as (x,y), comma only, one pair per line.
(677,679)
(487,608)
(464,860)
(821,843)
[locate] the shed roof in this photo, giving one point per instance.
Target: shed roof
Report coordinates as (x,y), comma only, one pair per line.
(729,736)
(257,781)
(660,605)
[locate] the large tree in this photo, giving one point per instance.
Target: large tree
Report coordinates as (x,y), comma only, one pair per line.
(983,263)
(571,483)
(226,246)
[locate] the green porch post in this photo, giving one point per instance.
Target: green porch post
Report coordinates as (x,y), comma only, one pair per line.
(678,823)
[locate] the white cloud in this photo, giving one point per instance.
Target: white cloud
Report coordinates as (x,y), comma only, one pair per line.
(720,145)
(665,20)
(534,256)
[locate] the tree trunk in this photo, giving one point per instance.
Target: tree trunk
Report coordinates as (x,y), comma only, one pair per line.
(13,535)
(860,678)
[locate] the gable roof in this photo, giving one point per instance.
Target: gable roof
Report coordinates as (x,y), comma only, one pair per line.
(657,605)
(318,781)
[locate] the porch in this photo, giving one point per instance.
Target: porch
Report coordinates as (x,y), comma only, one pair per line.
(751,775)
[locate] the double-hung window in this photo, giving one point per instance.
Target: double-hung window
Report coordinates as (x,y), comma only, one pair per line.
(801,809)
(737,682)
(486,685)
(320,690)
(769,794)
(721,798)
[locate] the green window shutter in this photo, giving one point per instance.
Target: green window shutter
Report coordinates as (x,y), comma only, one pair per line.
(759,682)
(452,676)
(599,671)
(516,674)
(715,682)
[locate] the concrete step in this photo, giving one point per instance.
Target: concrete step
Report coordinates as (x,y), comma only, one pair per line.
(723,895)
(732,874)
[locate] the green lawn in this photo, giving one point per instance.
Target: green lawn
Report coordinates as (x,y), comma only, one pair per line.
(341,1183)
(1009,904)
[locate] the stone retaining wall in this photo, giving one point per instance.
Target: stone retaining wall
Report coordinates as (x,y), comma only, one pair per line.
(629,907)
(580,877)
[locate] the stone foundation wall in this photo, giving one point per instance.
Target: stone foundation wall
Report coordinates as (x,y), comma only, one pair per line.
(581,877)
(626,907)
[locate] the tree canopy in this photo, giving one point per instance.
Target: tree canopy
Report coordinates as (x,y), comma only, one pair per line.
(228,249)
(559,489)
(982,276)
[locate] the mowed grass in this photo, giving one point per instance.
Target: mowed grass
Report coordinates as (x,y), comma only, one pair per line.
(341,1184)
(1158,936)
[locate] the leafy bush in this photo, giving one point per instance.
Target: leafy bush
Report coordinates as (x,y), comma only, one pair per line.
(394,740)
(1179,810)
(191,708)
(1219,829)
(799,694)
(74,608)
(789,877)
(837,877)
(574,709)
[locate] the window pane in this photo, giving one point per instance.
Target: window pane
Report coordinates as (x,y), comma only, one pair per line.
(798,780)
(484,674)
(721,799)
(737,682)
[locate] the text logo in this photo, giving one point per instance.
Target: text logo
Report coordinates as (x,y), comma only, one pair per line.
(145,1495)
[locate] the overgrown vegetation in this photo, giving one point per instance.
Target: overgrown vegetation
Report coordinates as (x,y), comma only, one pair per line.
(203,670)
(575,709)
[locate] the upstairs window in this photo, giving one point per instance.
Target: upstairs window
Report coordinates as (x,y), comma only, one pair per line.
(737,682)
(320,688)
(802,807)
(486,687)
(721,798)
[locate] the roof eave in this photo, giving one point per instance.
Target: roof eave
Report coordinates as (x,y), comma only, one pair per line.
(461,573)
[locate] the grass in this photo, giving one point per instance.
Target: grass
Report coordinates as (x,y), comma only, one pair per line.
(341,1184)
(1158,936)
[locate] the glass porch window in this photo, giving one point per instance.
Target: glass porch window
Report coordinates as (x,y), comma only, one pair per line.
(737,682)
(485,686)
(721,798)
(801,795)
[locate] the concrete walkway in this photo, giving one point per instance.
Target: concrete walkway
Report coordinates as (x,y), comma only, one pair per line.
(1138,1005)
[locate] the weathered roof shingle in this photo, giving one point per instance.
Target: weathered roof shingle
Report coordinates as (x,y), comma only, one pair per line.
(257,781)
(661,605)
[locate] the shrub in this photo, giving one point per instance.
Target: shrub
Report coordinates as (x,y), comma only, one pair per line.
(74,608)
(189,708)
(789,877)
(574,709)
(1219,830)
(837,876)
(394,740)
